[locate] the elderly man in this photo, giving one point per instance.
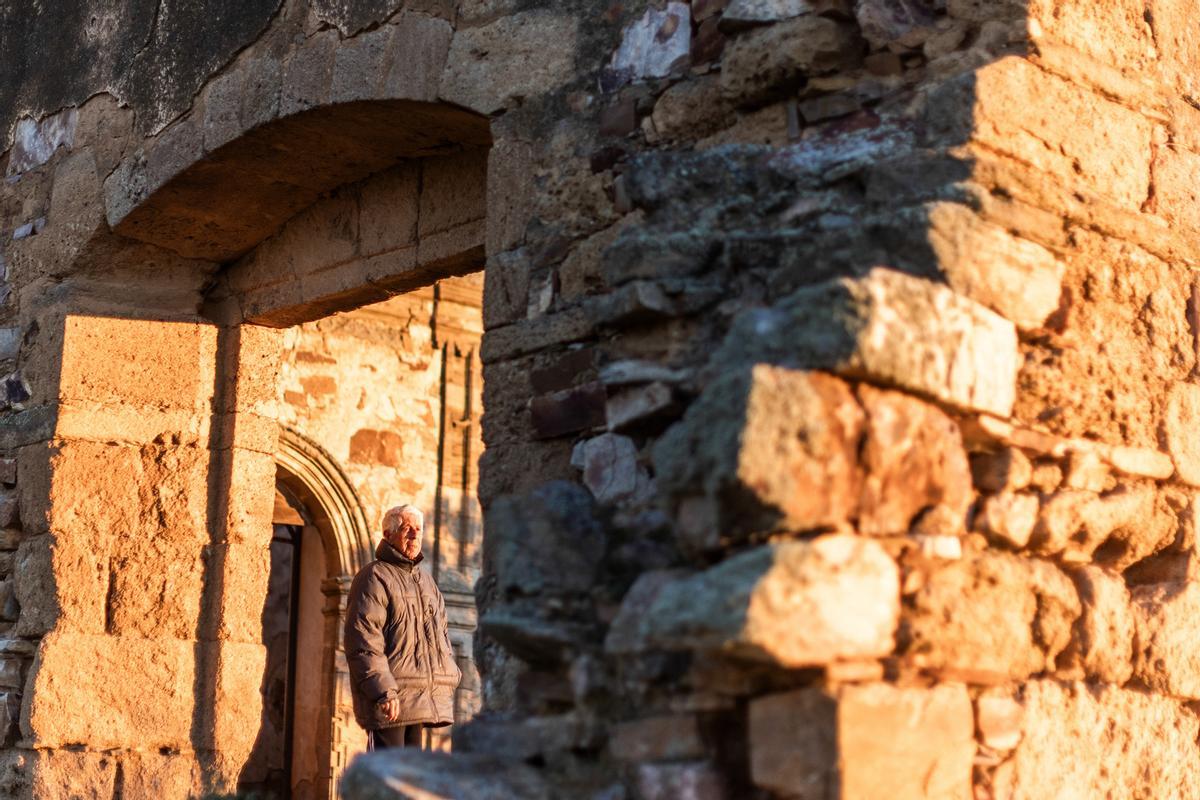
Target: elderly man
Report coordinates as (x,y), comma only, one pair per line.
(402,669)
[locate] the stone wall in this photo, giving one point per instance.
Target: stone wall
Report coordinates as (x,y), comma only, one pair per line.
(839,366)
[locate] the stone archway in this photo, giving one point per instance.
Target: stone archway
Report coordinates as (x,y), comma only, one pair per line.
(316,480)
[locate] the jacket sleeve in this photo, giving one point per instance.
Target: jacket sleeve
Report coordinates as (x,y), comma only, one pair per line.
(366,656)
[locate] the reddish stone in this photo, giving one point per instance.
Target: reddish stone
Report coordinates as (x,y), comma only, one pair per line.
(564,372)
(913,459)
(319,384)
(619,119)
(377,447)
(709,43)
(568,411)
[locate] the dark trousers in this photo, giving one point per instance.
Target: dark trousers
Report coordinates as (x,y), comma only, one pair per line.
(399,736)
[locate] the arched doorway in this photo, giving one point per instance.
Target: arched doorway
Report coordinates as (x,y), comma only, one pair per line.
(320,538)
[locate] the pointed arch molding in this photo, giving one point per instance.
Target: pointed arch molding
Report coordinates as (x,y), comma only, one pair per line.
(315,478)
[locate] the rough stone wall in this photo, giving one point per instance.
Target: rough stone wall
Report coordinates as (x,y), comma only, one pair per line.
(839,368)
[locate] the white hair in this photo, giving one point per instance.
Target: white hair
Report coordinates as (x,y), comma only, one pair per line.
(395,516)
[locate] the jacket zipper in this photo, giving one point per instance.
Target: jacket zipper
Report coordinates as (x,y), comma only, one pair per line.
(425,623)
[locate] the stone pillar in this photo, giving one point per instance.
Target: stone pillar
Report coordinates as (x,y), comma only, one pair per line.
(346,738)
(143,572)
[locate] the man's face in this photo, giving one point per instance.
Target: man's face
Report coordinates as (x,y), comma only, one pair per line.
(407,538)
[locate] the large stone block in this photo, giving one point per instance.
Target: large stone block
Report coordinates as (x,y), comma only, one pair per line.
(864,741)
(546,541)
(40,774)
(991,617)
(1054,126)
(136,692)
(765,449)
(143,363)
(1084,741)
(889,328)
(845,588)
(770,58)
(519,55)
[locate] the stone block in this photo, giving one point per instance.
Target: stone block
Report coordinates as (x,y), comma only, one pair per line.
(1115,33)
(760,12)
(144,774)
(1004,470)
(610,468)
(453,192)
(1008,518)
(137,692)
(59,583)
(141,363)
(525,54)
(261,92)
(639,406)
(308,74)
(1073,730)
(545,542)
(222,109)
(1181,416)
(902,23)
(991,617)
(420,47)
(668,738)
(1016,278)
(770,59)
(388,210)
(1165,657)
(685,780)
(77,774)
(845,587)
(154,588)
(1118,528)
(625,631)
(913,462)
(411,773)
(818,744)
(568,411)
(1079,138)
(1102,644)
(652,46)
(359,65)
(998,720)
(889,328)
(767,449)
(233,696)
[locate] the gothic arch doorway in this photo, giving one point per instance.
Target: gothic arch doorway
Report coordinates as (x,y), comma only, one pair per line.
(319,539)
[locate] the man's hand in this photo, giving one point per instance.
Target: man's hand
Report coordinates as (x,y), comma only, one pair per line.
(391,709)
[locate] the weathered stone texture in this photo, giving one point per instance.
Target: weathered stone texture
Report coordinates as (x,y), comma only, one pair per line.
(890,328)
(990,617)
(847,588)
(826,744)
(1071,731)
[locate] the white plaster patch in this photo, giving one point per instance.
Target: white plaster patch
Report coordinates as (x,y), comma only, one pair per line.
(35,142)
(655,44)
